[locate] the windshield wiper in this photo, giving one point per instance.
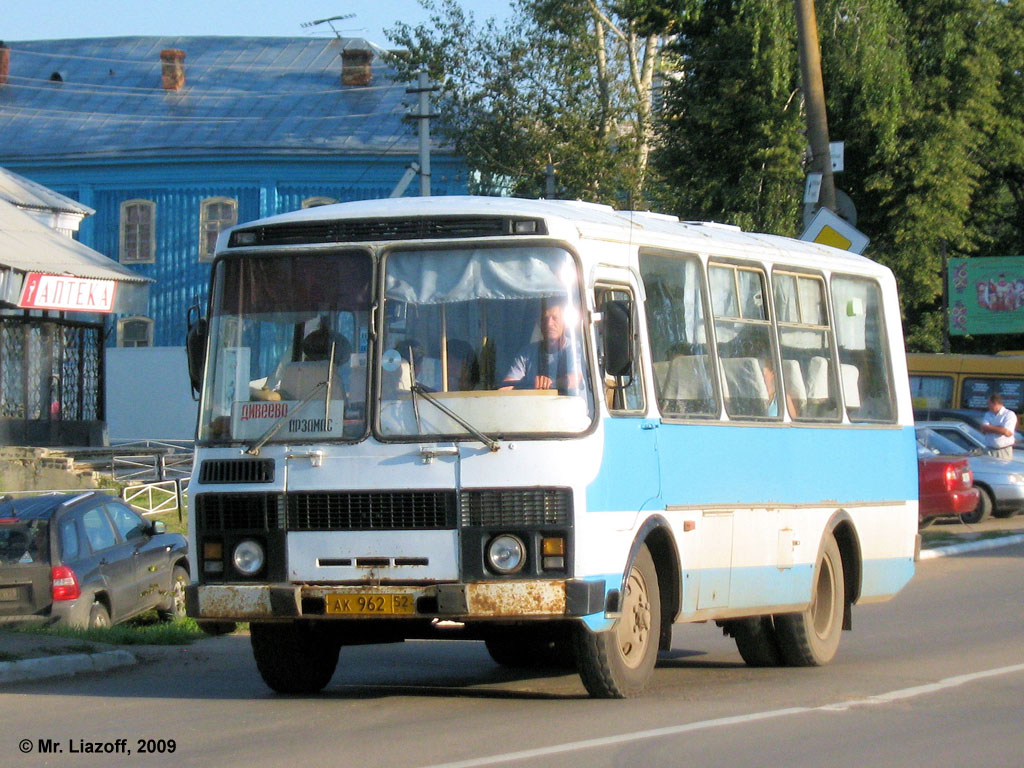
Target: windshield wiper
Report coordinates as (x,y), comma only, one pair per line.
(491,444)
(254,449)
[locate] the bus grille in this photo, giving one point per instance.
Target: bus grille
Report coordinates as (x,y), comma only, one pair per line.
(371,511)
(516,507)
(238,511)
(215,471)
(368,230)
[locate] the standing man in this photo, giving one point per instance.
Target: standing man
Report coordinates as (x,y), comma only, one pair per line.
(999,425)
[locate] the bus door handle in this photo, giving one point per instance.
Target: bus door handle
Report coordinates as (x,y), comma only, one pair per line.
(648,425)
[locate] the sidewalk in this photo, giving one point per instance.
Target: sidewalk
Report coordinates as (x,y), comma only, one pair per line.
(26,656)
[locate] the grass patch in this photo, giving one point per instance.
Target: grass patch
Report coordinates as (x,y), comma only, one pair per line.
(932,537)
(141,631)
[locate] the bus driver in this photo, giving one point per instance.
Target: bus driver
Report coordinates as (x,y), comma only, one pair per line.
(551,363)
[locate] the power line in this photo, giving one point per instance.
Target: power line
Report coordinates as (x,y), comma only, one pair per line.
(80,87)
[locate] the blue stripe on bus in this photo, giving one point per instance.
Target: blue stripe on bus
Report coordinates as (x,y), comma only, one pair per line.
(705,464)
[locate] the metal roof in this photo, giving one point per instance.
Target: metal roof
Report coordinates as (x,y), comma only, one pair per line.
(103,97)
(27,194)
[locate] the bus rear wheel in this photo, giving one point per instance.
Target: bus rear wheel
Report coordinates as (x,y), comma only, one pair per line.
(811,638)
(294,658)
(618,663)
(756,641)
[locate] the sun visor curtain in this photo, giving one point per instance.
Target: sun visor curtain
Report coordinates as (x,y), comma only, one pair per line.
(318,283)
(441,277)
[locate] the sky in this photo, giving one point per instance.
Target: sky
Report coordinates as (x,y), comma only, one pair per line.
(24,20)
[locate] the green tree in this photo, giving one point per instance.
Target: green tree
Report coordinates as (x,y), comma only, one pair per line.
(569,84)
(731,140)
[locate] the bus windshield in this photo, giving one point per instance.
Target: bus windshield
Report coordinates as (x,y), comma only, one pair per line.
(289,336)
(492,335)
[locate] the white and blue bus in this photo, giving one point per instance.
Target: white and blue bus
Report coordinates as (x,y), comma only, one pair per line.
(547,425)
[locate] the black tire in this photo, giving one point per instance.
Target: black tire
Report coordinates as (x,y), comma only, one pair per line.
(1004,513)
(526,648)
(756,641)
(294,658)
(618,663)
(175,606)
(982,511)
(217,628)
(924,522)
(99,616)
(811,638)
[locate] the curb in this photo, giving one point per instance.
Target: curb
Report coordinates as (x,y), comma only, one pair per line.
(64,666)
(972,546)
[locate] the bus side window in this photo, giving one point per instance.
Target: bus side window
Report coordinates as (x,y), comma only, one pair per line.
(622,393)
(805,343)
(864,367)
(743,331)
(676,325)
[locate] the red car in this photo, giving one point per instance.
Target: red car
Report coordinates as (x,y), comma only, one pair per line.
(945,487)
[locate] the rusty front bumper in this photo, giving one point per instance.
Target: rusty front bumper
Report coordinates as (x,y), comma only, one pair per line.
(476,600)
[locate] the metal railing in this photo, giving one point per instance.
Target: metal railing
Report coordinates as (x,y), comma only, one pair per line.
(157,498)
(155,460)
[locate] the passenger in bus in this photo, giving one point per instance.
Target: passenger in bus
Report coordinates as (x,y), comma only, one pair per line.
(768,371)
(999,424)
(551,363)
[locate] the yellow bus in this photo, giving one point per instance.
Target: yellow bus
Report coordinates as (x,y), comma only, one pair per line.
(965,381)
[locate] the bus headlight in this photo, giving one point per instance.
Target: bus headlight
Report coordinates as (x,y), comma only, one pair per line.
(248,557)
(506,553)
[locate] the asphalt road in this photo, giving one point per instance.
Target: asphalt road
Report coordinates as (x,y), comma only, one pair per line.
(933,678)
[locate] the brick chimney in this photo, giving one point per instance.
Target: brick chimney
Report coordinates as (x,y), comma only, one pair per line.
(5,62)
(355,66)
(172,69)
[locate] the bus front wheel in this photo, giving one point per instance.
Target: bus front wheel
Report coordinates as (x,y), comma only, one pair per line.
(811,638)
(294,658)
(618,663)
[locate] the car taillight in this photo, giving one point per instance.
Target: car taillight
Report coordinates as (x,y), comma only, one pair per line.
(958,478)
(65,583)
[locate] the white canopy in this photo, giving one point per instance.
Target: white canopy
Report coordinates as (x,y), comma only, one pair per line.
(26,246)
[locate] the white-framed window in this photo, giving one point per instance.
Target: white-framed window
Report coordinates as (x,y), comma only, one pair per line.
(215,215)
(313,202)
(138,232)
(135,332)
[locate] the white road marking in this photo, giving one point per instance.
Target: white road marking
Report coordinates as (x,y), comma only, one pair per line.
(674,730)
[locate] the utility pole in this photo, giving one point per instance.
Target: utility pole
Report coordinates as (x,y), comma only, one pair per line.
(814,99)
(423,88)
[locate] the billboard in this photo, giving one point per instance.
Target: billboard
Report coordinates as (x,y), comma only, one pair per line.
(986,295)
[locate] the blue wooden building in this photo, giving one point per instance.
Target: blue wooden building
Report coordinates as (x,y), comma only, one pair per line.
(170,140)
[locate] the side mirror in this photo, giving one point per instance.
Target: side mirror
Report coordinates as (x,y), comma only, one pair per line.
(195,349)
(159,527)
(618,338)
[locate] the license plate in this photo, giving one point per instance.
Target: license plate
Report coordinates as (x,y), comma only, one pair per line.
(387,604)
(9,593)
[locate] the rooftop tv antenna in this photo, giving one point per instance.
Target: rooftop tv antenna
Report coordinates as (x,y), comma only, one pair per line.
(328,22)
